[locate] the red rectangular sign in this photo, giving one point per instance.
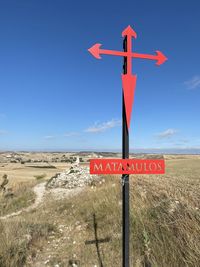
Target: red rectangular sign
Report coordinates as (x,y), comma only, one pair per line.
(127,166)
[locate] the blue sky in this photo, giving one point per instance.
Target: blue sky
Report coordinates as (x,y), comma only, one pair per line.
(55,95)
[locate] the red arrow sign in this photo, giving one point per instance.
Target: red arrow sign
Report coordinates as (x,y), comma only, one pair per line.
(128,80)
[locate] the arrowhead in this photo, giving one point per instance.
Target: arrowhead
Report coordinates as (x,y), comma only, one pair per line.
(129,32)
(128,84)
(95,50)
(161,58)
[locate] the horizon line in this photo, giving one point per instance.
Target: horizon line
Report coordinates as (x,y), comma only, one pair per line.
(92,150)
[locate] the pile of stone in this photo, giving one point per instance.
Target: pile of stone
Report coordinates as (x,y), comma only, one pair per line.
(76,176)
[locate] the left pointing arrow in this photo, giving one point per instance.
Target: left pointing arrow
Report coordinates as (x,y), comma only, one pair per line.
(128,85)
(95,50)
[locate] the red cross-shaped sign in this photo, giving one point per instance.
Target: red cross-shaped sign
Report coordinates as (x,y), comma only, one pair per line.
(128,79)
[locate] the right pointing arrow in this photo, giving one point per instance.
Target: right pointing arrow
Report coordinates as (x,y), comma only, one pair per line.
(159,57)
(128,85)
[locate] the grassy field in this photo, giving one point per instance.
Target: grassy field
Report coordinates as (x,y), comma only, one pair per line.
(23,197)
(22,178)
(18,172)
(164,215)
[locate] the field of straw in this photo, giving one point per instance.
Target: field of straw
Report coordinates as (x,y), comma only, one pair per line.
(85,229)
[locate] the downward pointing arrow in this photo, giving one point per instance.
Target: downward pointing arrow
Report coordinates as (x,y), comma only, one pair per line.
(128,85)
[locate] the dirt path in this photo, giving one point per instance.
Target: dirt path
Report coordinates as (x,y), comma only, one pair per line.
(39,191)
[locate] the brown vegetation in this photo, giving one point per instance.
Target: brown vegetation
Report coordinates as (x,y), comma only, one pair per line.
(165,224)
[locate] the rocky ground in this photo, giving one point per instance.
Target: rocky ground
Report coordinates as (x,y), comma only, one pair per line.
(76,176)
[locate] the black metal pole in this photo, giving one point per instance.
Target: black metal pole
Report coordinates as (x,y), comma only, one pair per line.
(125,177)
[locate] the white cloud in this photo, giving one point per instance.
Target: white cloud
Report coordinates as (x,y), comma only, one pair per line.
(184,140)
(49,137)
(193,83)
(102,127)
(69,134)
(167,133)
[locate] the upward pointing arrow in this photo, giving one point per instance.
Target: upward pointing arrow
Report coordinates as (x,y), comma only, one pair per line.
(129,32)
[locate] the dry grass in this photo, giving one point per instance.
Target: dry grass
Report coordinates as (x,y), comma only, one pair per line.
(164,215)
(20,197)
(20,239)
(164,228)
(18,172)
(40,176)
